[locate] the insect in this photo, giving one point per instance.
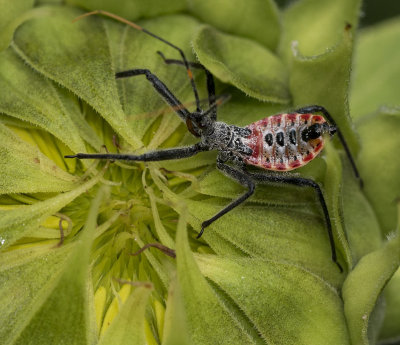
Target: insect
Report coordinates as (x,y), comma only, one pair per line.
(279,143)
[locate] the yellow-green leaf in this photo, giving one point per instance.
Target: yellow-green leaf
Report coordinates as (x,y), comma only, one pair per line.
(363,287)
(379,166)
(316,25)
(19,222)
(208,319)
(128,325)
(376,78)
(283,302)
(258,73)
(65,312)
(77,56)
(255,19)
(11,15)
(24,169)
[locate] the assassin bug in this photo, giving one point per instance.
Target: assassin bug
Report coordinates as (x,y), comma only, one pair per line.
(279,143)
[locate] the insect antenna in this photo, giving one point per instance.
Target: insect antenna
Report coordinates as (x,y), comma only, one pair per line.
(210,83)
(220,100)
(138,27)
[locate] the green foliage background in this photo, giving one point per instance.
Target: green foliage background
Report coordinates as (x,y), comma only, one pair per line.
(260,275)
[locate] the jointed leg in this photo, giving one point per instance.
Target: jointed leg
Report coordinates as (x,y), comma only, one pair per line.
(244,180)
(160,87)
(160,155)
(318,108)
(299,181)
(210,82)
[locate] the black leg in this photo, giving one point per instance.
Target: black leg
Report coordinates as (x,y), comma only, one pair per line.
(160,87)
(210,82)
(175,153)
(303,182)
(318,108)
(244,180)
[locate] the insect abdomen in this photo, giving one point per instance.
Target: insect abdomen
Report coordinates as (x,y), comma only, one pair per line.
(277,141)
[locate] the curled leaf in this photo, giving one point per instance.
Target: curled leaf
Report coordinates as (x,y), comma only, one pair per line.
(363,287)
(258,73)
(255,19)
(284,303)
(376,78)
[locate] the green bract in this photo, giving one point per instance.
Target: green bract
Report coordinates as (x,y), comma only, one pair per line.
(261,274)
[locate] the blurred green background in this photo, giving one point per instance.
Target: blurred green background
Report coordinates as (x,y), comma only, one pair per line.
(373,11)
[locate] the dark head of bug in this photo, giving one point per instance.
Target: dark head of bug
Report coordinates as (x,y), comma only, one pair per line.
(316,130)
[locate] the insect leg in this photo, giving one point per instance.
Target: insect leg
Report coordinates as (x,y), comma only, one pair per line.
(138,27)
(210,82)
(303,182)
(318,108)
(160,155)
(244,180)
(160,87)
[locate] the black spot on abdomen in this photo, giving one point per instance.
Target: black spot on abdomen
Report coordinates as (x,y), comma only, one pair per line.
(269,139)
(292,136)
(280,139)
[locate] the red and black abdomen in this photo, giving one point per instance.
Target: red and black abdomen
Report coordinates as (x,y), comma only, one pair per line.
(277,141)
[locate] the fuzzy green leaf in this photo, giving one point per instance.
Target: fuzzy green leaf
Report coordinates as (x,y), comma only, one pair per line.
(258,73)
(324,80)
(63,311)
(77,56)
(11,16)
(19,222)
(316,25)
(211,184)
(361,224)
(363,287)
(25,284)
(378,166)
(376,78)
(283,302)
(242,110)
(390,329)
(296,234)
(332,195)
(255,19)
(128,325)
(24,169)
(175,318)
(34,99)
(208,319)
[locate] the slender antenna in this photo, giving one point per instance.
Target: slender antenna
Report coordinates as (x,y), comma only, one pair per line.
(210,82)
(137,27)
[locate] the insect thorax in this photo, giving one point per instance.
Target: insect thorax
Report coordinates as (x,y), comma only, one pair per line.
(223,137)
